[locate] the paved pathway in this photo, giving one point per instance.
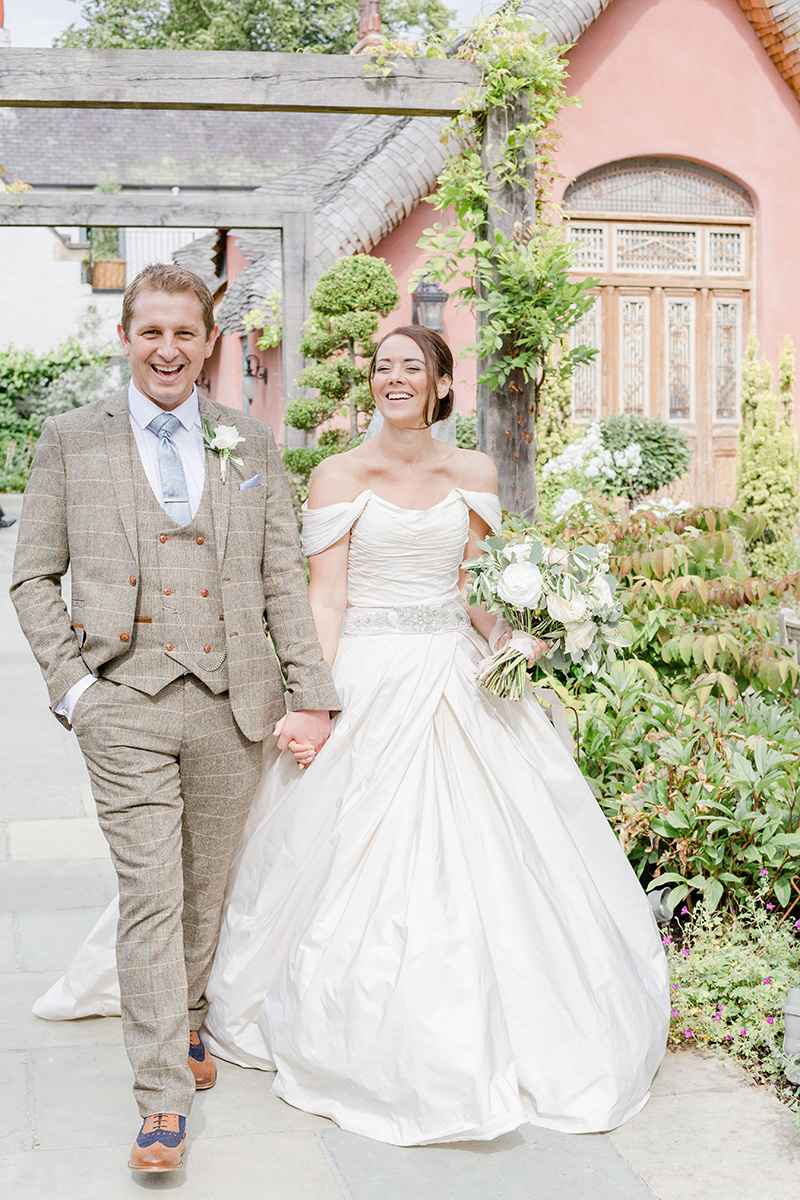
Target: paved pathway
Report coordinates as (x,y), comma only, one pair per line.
(66,1112)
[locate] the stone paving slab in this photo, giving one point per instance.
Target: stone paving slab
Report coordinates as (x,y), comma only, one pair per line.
(16,1132)
(705,1135)
(48,939)
(23,1031)
(285,1166)
(73,837)
(72,883)
(8,944)
(521,1165)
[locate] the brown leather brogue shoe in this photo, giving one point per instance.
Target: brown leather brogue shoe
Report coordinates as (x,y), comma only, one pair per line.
(160,1144)
(201,1064)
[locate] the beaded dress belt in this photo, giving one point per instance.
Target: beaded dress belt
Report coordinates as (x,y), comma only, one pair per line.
(407,618)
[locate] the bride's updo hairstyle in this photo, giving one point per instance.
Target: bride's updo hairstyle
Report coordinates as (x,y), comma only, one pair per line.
(438,362)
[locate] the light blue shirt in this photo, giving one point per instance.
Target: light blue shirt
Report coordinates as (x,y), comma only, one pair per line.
(189,444)
(186,439)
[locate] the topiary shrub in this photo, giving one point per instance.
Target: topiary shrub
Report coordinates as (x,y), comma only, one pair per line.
(768,472)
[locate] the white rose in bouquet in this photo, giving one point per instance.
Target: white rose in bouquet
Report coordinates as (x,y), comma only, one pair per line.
(567,612)
(520,585)
(579,638)
(600,592)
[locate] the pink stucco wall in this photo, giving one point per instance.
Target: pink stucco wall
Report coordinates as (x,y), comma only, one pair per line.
(691,78)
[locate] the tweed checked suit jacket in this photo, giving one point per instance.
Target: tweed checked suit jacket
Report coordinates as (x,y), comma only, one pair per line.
(80,511)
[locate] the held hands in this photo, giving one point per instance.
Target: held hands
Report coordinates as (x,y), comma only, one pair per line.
(304,734)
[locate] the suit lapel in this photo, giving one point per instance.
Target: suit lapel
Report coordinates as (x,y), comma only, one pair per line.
(219,492)
(119,445)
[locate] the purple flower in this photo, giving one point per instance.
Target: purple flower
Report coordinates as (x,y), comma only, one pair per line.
(770,907)
(743,1032)
(768,979)
(797,924)
(763,871)
(674,987)
(715,1017)
(685,953)
(684,910)
(770,1020)
(729,1036)
(676,1012)
(667,940)
(687,1033)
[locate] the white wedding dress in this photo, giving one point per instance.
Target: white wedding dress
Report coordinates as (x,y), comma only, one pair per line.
(432,934)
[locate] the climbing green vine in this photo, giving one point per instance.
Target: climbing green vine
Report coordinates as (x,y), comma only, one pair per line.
(520,283)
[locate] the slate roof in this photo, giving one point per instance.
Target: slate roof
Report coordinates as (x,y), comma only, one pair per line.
(51,147)
(376,170)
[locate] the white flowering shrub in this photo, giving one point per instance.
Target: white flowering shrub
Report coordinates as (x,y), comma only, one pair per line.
(618,456)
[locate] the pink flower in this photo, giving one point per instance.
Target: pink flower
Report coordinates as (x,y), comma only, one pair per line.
(685,953)
(687,1033)
(763,871)
(667,940)
(743,1032)
(684,910)
(676,1012)
(768,979)
(770,1020)
(674,987)
(729,1036)
(770,907)
(797,924)
(715,1017)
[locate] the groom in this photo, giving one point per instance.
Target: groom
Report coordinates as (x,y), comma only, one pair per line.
(163,667)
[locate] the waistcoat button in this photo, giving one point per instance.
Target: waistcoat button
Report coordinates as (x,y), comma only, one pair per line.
(169,646)
(133,581)
(206,649)
(204,592)
(200,541)
(124,637)
(163,538)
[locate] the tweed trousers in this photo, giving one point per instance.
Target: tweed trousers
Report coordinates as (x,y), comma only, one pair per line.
(173,778)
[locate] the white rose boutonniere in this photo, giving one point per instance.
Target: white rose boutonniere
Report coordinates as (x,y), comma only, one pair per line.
(223,440)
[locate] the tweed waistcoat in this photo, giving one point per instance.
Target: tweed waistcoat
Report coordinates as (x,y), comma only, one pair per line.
(178,625)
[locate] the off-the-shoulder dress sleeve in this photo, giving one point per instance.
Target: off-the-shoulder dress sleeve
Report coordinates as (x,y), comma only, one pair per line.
(323,527)
(485,504)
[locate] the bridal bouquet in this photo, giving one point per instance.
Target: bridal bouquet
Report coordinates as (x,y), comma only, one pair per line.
(565,596)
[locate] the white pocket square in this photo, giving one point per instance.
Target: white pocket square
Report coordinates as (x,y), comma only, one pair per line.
(248,483)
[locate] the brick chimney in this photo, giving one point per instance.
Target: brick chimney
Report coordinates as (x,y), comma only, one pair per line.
(369,26)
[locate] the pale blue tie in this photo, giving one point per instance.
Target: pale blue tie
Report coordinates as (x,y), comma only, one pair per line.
(174,493)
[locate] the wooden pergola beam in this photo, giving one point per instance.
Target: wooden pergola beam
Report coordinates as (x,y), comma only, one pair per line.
(231,80)
(250,210)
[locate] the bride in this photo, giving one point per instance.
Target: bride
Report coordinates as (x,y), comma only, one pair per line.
(431,933)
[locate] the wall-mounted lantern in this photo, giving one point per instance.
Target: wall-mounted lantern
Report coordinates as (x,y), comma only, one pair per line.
(253,372)
(427,304)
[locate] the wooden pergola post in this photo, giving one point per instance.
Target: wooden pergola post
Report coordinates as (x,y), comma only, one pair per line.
(506,418)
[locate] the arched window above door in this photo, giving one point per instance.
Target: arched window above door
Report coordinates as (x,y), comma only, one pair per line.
(673,186)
